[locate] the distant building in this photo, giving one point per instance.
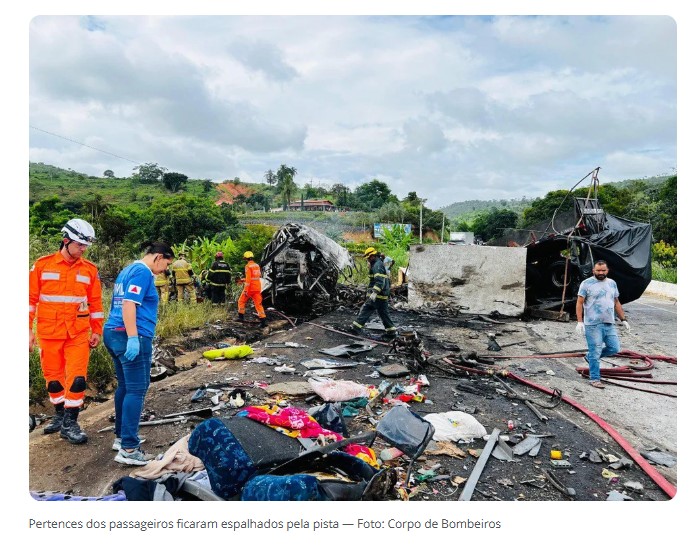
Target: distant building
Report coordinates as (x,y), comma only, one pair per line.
(313,205)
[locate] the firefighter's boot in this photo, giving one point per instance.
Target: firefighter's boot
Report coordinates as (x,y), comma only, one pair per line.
(241,317)
(263,323)
(57,421)
(71,431)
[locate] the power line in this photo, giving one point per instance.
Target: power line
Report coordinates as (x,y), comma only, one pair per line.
(82,144)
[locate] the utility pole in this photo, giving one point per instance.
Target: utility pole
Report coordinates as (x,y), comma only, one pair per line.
(420,221)
(442,231)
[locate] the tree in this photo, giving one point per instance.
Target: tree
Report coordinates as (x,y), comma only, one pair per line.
(492,224)
(207,185)
(285,183)
(148,174)
(391,213)
(48,216)
(543,209)
(95,207)
(270,177)
(342,196)
(179,217)
(174,181)
(664,222)
(108,173)
(373,194)
(463,226)
(115,225)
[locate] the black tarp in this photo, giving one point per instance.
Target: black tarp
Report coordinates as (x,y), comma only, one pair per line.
(590,234)
(626,246)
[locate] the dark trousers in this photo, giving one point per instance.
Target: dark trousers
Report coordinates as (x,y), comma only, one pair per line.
(217,293)
(370,307)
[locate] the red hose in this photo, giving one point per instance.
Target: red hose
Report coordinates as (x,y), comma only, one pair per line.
(655,475)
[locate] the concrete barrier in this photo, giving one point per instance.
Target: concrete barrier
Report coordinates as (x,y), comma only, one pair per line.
(662,289)
(481,279)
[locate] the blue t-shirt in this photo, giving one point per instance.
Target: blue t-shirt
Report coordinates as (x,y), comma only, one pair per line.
(600,296)
(135,283)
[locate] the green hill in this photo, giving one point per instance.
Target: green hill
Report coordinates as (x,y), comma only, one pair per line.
(468,209)
(76,188)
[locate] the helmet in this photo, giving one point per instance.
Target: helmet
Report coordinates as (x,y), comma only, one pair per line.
(79,231)
(181,254)
(219,254)
(370,251)
(248,255)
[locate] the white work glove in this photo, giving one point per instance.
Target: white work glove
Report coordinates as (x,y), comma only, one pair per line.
(625,324)
(580,328)
(372,296)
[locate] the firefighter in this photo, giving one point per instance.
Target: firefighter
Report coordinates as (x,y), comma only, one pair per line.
(161,281)
(252,289)
(65,300)
(379,287)
(218,277)
(183,277)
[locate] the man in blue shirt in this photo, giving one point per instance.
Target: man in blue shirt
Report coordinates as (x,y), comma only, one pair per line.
(596,303)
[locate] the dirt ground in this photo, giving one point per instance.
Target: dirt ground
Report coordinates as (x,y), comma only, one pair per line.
(645,420)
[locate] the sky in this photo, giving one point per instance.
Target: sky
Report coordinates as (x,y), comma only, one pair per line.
(453,107)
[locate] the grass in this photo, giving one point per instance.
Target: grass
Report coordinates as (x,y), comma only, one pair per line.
(663,274)
(175,318)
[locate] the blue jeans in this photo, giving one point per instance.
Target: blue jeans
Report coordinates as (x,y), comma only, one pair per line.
(602,340)
(133,382)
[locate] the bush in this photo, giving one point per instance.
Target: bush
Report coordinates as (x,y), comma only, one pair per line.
(664,254)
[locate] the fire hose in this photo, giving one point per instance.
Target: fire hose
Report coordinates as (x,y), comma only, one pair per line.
(622,373)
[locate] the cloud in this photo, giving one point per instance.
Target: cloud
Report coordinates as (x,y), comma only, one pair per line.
(264,58)
(450,107)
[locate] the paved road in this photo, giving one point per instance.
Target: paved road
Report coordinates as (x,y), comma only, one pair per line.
(646,420)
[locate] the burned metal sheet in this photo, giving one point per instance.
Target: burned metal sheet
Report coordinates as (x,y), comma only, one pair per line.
(320,363)
(348,350)
(481,279)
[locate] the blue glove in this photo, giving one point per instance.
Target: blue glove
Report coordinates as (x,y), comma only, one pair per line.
(133,347)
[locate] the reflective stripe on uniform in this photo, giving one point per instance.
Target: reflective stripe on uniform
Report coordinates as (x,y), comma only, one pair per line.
(57,400)
(84,279)
(380,275)
(97,315)
(32,309)
(50,276)
(381,297)
(73,403)
(62,298)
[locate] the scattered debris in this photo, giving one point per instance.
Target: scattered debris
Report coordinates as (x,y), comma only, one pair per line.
(618,496)
(660,458)
(470,485)
(348,350)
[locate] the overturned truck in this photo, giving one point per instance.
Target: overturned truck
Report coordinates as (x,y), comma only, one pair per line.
(300,265)
(561,253)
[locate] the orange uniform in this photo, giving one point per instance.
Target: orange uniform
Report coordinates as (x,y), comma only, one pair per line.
(65,300)
(252,289)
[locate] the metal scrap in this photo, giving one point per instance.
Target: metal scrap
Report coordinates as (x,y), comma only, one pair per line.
(469,486)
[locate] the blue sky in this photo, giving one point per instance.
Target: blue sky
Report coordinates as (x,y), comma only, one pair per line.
(455,108)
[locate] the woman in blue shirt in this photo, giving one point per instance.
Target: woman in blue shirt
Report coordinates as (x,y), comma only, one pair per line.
(128,335)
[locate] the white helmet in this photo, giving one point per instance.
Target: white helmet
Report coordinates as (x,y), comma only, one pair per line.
(79,231)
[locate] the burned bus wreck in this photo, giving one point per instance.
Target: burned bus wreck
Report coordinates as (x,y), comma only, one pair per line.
(300,265)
